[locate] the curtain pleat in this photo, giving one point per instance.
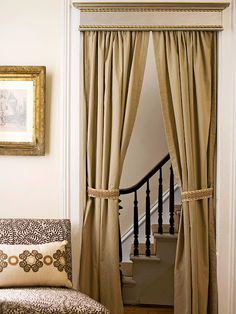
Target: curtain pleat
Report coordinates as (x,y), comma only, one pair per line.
(112,73)
(186,65)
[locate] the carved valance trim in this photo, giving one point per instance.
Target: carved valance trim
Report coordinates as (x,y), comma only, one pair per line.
(151,15)
(150,27)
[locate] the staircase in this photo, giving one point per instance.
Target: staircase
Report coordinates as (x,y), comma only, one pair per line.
(148,278)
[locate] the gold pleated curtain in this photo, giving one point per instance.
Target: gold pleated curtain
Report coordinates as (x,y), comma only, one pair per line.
(186,65)
(112,73)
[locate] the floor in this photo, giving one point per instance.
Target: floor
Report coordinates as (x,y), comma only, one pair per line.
(148,310)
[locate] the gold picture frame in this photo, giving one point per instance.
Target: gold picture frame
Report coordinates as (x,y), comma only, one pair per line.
(22,110)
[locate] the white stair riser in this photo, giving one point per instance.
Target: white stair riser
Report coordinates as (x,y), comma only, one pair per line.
(130,295)
(166,249)
(154,277)
(154,284)
(127,269)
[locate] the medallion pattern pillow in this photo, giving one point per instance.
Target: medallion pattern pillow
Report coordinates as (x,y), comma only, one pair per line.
(34,265)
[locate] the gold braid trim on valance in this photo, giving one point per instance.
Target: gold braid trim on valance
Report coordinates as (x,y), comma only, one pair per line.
(84,27)
(197,195)
(105,194)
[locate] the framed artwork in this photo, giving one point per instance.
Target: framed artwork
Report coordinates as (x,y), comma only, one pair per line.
(22,110)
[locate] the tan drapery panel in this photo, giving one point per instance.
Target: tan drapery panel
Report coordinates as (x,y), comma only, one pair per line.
(112,75)
(186,65)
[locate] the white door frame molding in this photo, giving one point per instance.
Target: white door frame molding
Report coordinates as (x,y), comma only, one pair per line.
(70,43)
(70,183)
(65,107)
(226,165)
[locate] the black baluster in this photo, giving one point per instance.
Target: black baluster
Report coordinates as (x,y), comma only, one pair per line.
(120,247)
(136,227)
(160,203)
(148,221)
(172,202)
(120,244)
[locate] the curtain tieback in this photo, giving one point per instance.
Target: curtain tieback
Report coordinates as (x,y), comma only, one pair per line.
(196,195)
(106,194)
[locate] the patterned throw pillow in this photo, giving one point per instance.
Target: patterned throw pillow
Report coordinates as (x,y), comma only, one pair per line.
(34,265)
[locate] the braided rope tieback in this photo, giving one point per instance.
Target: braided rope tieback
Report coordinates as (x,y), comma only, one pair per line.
(196,195)
(105,194)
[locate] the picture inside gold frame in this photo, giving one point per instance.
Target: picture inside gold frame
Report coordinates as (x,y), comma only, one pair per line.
(22,107)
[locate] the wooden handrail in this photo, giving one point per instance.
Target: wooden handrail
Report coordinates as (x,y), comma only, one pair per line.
(146,177)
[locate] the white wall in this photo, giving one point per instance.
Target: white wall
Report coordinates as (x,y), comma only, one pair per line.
(30,35)
(147,145)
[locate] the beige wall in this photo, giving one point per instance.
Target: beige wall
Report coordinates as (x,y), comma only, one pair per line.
(30,35)
(148,143)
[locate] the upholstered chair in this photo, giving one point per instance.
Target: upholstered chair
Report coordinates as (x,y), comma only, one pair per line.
(17,299)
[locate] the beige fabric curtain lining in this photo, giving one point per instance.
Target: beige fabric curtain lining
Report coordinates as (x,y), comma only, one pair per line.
(186,65)
(112,73)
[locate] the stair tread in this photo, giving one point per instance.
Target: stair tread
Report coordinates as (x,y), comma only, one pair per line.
(144,258)
(166,236)
(142,249)
(128,281)
(165,228)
